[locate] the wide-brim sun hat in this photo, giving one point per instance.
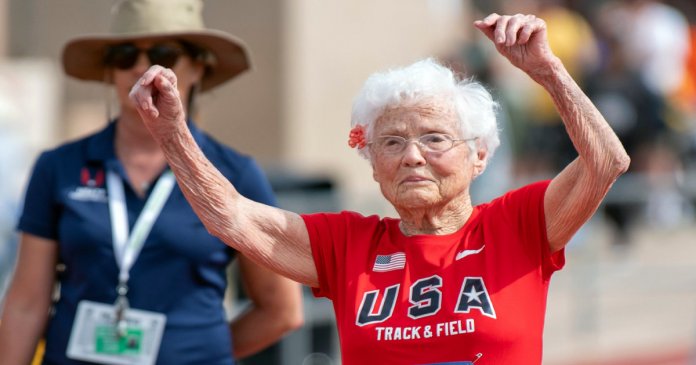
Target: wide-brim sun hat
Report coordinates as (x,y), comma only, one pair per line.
(131,20)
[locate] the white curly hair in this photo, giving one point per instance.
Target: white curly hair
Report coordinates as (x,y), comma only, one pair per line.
(422,81)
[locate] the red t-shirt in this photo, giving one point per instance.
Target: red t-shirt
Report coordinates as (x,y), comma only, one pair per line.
(428,299)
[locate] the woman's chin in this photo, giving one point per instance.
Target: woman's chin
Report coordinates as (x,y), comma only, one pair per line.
(416,200)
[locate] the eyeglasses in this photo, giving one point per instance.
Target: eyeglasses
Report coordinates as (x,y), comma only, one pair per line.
(431,142)
(124,56)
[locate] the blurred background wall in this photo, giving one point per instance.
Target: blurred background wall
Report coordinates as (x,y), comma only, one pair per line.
(627,294)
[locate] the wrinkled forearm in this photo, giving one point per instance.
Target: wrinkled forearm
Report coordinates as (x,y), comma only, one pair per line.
(205,188)
(213,198)
(598,147)
(252,228)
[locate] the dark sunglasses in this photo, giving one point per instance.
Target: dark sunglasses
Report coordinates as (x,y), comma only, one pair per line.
(124,56)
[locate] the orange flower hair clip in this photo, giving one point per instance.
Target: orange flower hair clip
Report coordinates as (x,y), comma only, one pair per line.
(356,138)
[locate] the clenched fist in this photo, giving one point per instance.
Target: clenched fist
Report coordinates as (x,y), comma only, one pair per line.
(158,101)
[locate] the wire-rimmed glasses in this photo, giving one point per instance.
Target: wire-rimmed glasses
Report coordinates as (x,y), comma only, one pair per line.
(431,142)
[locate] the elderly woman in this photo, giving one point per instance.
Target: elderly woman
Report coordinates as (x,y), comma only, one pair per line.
(447,281)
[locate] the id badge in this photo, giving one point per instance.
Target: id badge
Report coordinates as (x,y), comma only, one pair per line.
(95,337)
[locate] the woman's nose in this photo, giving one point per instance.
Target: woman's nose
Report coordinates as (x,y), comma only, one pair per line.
(413,154)
(142,63)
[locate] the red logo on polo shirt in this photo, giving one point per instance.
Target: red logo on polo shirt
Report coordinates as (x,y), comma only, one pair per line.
(91,188)
(87,179)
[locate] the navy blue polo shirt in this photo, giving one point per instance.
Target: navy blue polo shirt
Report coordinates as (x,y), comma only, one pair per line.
(180,271)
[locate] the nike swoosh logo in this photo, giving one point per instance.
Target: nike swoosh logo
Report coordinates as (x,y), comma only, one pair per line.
(465,253)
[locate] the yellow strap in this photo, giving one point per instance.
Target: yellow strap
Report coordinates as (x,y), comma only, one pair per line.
(38,355)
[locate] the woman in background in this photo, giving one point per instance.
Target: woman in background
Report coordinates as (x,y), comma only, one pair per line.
(143,280)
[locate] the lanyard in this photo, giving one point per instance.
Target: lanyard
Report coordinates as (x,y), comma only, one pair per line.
(127,247)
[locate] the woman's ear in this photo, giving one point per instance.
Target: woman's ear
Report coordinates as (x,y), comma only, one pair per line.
(374,171)
(480,161)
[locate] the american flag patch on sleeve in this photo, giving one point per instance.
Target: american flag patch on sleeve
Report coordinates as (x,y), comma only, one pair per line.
(395,261)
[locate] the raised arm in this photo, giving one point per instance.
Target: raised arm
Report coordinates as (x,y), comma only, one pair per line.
(271,237)
(575,193)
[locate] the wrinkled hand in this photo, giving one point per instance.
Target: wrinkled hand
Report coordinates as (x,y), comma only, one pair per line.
(521,39)
(158,102)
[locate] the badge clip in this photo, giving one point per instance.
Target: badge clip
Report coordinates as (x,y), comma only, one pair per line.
(121,306)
